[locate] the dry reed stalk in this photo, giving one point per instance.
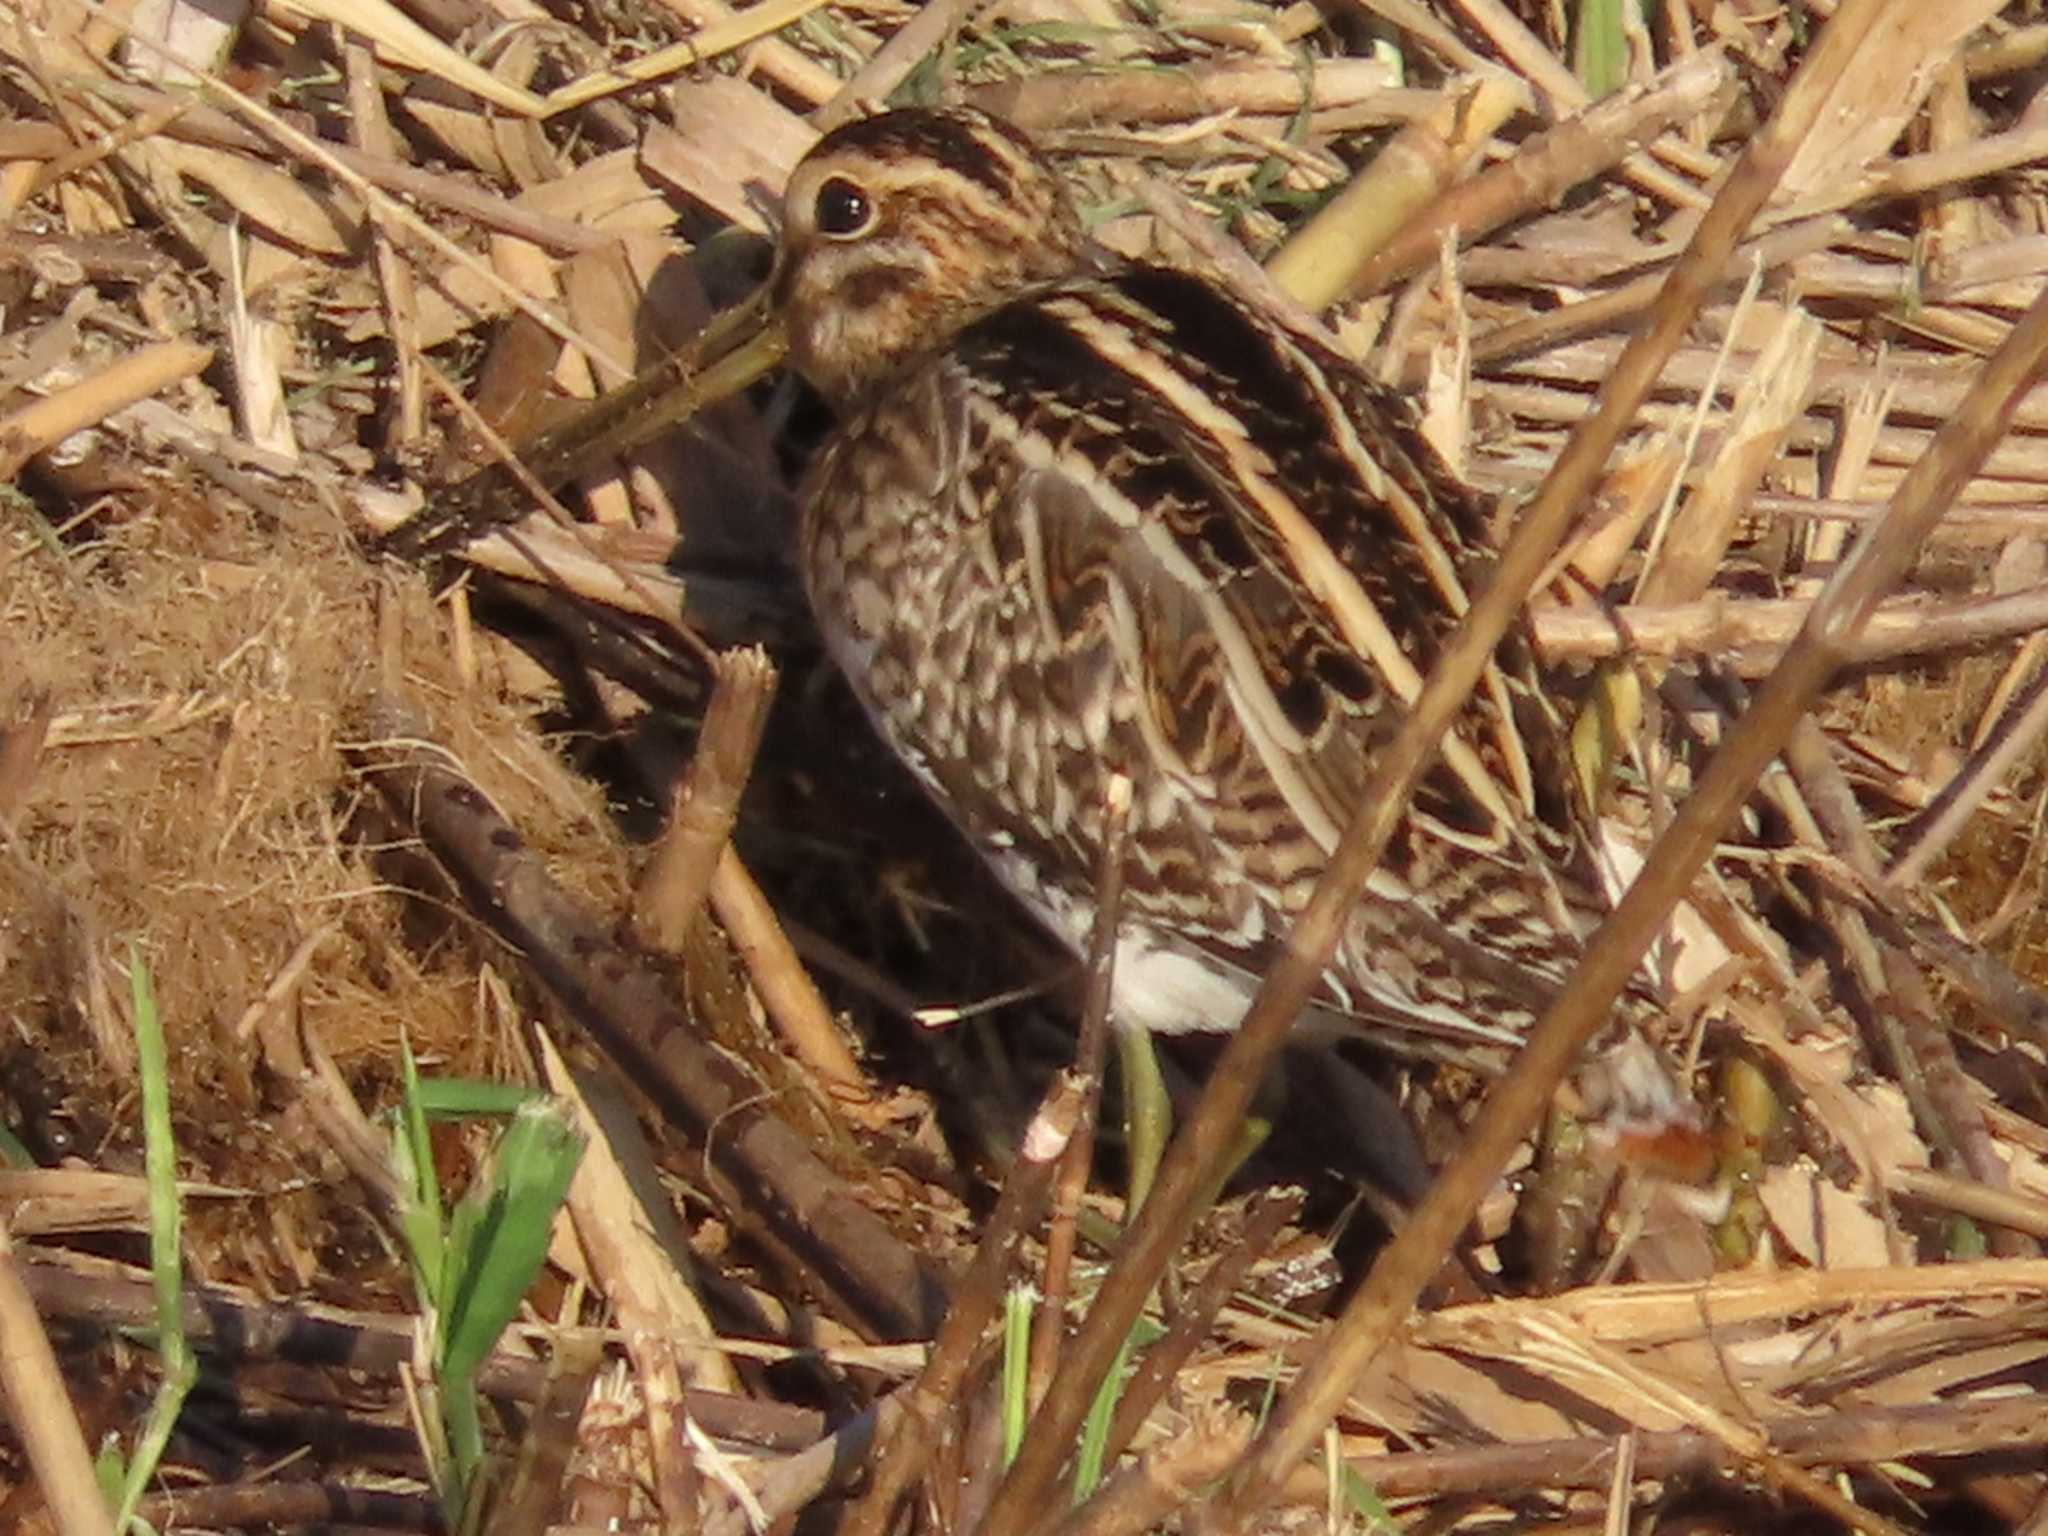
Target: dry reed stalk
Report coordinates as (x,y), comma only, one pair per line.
(792,1000)
(40,1410)
(370,132)
(637,1261)
(1851,1436)
(707,800)
(1047,103)
(1320,262)
(1567,155)
(32,429)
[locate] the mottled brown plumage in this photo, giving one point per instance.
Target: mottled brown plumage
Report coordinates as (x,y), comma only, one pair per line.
(1078,521)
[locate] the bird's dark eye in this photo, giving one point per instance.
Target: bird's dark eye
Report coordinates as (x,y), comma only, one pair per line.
(843,208)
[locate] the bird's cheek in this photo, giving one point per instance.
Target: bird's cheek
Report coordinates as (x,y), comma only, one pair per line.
(816,338)
(877,290)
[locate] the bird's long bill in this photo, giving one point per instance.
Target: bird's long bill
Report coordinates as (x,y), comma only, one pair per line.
(740,346)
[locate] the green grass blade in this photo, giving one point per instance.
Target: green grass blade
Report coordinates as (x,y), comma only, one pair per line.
(498,1240)
(1095,1431)
(1017,1309)
(1365,1502)
(412,1157)
(1601,54)
(166,1259)
(441,1097)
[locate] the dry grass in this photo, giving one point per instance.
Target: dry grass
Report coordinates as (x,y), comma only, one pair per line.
(233,323)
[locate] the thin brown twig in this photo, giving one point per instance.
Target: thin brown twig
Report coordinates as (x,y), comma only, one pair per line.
(1090,1052)
(1821,807)
(977,1301)
(1871,1434)
(294,1050)
(1972,1198)
(292,1505)
(1556,82)
(834,1462)
(143,126)
(1750,634)
(876,80)
(1914,174)
(1615,308)
(1274,1210)
(370,130)
(284,985)
(2015,735)
(1903,1012)
(196,123)
(1140,1496)
(1947,1107)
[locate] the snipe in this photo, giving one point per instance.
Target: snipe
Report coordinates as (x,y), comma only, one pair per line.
(1083,519)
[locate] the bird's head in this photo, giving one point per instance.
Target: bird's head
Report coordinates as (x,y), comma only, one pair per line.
(900,229)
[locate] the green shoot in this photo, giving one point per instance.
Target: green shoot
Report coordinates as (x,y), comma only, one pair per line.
(1017,1309)
(475,1265)
(1088,1465)
(1600,58)
(160,1160)
(412,1155)
(1364,1502)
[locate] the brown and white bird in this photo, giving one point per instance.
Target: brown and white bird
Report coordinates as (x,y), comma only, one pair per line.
(1079,521)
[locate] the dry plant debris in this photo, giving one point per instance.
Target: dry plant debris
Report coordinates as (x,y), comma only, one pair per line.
(273,278)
